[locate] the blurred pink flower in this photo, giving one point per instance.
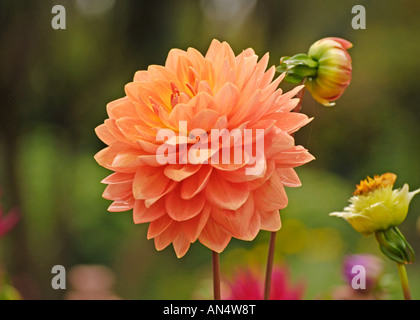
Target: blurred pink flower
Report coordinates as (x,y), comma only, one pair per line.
(249,285)
(91,282)
(9,221)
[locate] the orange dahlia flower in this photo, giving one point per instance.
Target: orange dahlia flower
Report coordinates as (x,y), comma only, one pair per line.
(193,197)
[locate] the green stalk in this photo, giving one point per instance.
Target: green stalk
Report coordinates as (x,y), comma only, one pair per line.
(404,280)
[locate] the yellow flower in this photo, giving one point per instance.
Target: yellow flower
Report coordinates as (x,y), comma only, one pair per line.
(375,206)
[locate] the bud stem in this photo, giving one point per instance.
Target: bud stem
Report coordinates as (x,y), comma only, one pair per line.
(404,280)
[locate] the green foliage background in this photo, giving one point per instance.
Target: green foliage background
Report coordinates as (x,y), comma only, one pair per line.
(54,86)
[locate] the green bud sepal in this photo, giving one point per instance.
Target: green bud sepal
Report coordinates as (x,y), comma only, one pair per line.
(298,67)
(392,243)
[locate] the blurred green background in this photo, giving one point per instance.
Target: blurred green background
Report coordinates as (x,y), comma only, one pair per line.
(55,84)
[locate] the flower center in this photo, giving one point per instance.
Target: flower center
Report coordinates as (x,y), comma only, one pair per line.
(369,184)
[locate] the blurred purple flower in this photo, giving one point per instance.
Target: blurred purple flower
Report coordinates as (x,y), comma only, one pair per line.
(372,264)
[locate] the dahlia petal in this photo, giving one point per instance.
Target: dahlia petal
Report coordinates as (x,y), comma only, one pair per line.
(291,121)
(181,112)
(148,160)
(271,195)
(147,146)
(171,186)
(156,227)
(242,223)
(104,134)
(195,183)
(128,159)
(225,194)
(141,75)
(115,131)
(293,157)
(204,120)
(256,183)
(180,209)
(157,72)
(149,183)
(263,107)
(142,214)
(121,108)
(122,205)
(193,227)
(226,98)
(289,177)
(202,101)
(119,191)
(281,101)
(238,114)
(179,172)
(285,108)
(118,177)
(196,58)
(181,245)
(213,50)
(270,220)
(245,65)
(166,237)
(225,75)
(271,89)
(268,77)
(184,73)
(214,237)
(261,67)
(128,127)
(204,87)
(278,142)
(172,59)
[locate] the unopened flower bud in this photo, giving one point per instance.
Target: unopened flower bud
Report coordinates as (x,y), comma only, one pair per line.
(334,69)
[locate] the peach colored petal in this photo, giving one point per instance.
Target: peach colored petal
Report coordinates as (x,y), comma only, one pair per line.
(119,191)
(205,120)
(181,245)
(118,177)
(242,223)
(270,220)
(122,205)
(121,108)
(196,183)
(214,237)
(142,214)
(179,209)
(293,157)
(192,228)
(158,226)
(149,183)
(166,237)
(271,195)
(289,177)
(290,122)
(225,194)
(104,134)
(179,172)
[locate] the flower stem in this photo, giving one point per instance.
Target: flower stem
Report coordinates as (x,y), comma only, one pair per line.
(269,269)
(404,281)
(216,275)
